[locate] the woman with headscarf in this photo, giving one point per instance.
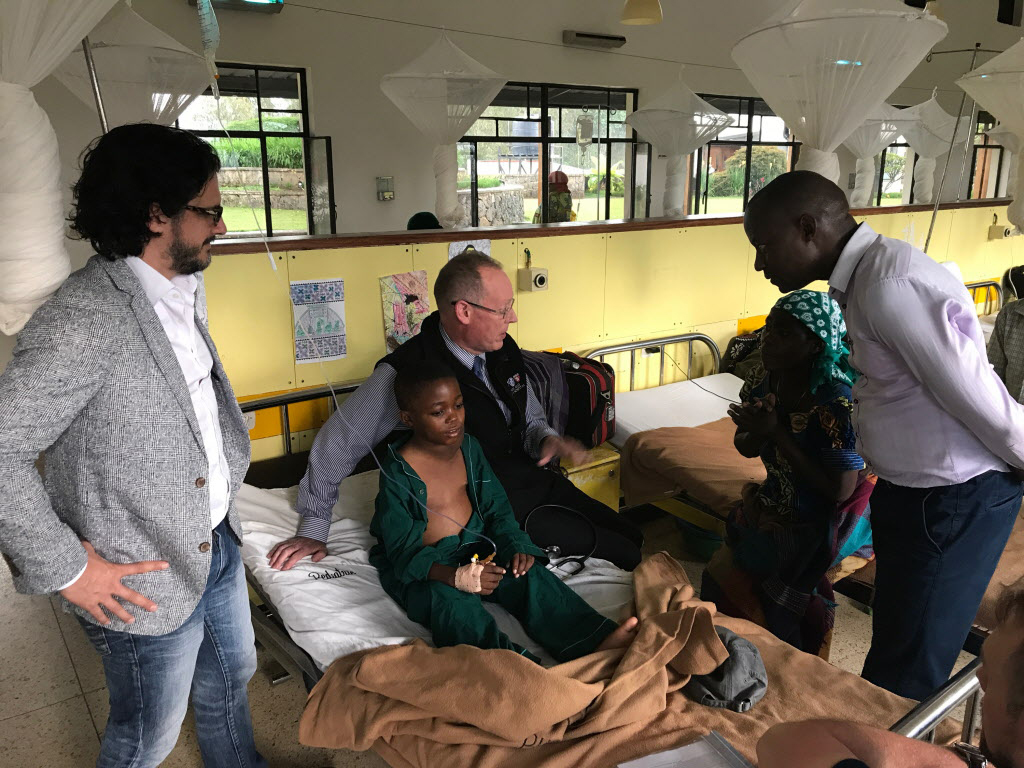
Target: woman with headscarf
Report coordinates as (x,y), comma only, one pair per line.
(559,200)
(795,413)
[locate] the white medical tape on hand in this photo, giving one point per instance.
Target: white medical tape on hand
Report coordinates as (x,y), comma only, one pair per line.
(467,578)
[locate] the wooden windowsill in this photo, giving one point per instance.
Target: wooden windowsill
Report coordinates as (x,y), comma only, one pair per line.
(364,239)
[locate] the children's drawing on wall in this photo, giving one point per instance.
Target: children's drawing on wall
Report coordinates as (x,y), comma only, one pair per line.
(319,311)
(454,249)
(406,304)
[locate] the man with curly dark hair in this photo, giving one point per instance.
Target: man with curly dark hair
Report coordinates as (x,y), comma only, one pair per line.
(116,381)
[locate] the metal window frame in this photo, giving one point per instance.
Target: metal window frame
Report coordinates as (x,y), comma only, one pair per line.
(745,106)
(546,140)
(303,134)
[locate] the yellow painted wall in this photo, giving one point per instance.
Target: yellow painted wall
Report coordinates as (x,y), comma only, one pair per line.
(604,289)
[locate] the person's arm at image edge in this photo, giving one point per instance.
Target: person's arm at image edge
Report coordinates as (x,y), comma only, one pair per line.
(825,743)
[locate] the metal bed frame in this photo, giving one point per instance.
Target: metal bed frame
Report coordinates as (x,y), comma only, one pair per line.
(990,287)
(657,346)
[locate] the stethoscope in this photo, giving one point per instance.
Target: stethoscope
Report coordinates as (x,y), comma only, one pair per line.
(571,564)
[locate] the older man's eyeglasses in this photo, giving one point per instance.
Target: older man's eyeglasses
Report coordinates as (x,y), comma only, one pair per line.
(216,212)
(502,313)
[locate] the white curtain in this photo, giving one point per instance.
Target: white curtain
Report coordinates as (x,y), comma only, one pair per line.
(144,73)
(929,134)
(443,91)
(998,86)
(824,66)
(35,37)
(677,122)
(877,133)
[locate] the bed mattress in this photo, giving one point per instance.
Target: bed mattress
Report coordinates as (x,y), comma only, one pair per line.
(682,404)
(337,606)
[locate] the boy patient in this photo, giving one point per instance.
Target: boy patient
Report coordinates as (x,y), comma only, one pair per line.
(425,559)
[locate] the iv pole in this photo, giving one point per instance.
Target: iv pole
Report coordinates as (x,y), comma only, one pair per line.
(952,141)
(91,66)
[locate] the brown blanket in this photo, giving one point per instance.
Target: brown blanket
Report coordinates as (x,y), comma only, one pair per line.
(418,706)
(701,461)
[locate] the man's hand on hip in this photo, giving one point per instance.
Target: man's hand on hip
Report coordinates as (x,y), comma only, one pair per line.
(99,587)
(564,447)
(290,551)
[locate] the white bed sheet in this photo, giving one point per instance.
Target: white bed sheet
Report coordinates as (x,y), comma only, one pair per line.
(682,404)
(337,606)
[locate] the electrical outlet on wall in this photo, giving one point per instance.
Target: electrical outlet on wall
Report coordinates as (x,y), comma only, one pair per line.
(250,420)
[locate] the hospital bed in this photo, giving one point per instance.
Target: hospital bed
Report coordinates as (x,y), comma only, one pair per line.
(317,612)
(694,403)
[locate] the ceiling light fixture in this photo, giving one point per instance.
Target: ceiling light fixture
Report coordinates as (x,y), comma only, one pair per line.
(642,12)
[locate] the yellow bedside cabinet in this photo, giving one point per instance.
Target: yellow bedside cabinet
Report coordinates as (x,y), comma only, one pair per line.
(598,477)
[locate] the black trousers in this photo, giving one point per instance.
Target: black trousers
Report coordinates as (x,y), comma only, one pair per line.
(528,487)
(937,549)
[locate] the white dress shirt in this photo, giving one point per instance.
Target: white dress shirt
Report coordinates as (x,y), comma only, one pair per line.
(174,302)
(928,408)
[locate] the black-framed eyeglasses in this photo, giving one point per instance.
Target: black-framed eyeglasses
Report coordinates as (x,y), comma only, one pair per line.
(215,212)
(502,313)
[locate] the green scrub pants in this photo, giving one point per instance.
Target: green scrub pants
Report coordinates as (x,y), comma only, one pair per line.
(552,614)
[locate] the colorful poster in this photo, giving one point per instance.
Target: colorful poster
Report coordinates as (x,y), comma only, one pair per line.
(406,303)
(319,312)
(454,249)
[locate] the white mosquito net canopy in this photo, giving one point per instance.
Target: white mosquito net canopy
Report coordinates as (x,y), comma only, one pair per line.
(144,73)
(677,123)
(443,91)
(35,37)
(998,86)
(824,66)
(930,133)
(874,135)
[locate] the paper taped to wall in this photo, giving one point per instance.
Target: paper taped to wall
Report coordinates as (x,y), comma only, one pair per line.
(319,314)
(406,304)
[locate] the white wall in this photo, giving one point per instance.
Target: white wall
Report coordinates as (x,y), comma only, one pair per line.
(345,56)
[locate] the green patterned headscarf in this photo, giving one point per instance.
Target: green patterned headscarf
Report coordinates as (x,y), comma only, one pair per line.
(820,312)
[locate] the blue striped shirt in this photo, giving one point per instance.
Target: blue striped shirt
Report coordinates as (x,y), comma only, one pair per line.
(365,418)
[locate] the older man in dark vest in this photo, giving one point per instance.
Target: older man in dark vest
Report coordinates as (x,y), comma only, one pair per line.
(469,332)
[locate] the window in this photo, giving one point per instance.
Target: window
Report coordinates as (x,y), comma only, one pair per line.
(990,162)
(895,171)
(755,149)
(531,130)
(273,173)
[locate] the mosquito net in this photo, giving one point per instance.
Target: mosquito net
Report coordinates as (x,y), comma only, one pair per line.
(144,73)
(442,92)
(677,122)
(825,65)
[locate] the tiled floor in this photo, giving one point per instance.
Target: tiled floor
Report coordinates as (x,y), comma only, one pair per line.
(53,701)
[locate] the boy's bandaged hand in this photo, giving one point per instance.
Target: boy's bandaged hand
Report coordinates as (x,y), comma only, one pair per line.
(478,578)
(467,577)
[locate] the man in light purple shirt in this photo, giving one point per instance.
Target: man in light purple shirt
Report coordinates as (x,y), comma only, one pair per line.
(933,421)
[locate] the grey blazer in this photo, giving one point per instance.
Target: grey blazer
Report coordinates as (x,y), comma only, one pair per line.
(95,385)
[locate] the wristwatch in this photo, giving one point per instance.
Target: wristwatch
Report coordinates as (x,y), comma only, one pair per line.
(970,754)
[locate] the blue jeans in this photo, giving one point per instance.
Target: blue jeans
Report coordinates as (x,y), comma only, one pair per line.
(212,656)
(937,549)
